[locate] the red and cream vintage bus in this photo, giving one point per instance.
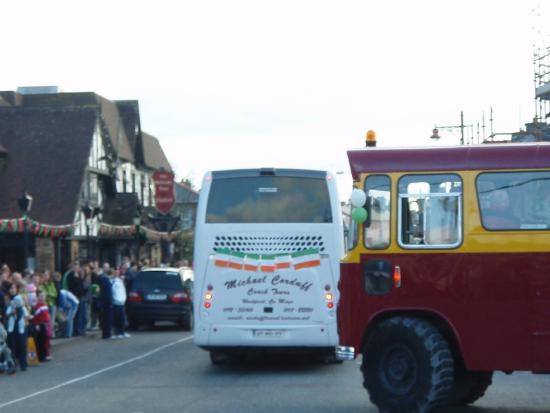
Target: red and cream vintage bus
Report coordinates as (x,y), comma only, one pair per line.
(448,278)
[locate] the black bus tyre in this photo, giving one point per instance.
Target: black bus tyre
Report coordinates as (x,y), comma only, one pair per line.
(469,386)
(219,357)
(407,366)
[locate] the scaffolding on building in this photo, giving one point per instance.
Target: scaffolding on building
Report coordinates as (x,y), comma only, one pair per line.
(542,84)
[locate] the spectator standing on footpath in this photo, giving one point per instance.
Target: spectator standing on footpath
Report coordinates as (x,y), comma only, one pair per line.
(119,300)
(4,288)
(75,284)
(105,302)
(56,278)
(130,276)
(64,281)
(86,298)
(33,281)
(124,266)
(17,316)
(50,290)
(94,292)
(42,327)
(6,360)
(68,303)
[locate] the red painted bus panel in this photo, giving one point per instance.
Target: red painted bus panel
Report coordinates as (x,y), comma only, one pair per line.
(497,304)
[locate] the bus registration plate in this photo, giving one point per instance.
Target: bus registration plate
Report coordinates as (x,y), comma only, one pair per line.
(269,333)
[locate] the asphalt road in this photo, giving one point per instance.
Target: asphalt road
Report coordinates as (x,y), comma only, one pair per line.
(161,370)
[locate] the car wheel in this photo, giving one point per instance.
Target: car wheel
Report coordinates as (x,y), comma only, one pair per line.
(188,322)
(407,366)
(133,324)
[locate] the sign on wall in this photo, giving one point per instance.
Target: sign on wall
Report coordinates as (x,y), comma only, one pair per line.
(164,191)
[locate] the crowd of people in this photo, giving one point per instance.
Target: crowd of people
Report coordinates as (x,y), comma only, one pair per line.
(44,305)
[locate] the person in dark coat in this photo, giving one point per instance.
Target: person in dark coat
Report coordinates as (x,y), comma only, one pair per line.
(130,276)
(75,284)
(105,303)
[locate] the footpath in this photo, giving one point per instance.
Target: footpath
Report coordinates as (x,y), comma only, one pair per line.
(62,340)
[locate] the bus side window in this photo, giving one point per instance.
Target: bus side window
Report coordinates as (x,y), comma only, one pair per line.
(518,200)
(430,211)
(377,228)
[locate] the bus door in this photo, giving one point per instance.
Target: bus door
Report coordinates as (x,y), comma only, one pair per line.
(448,270)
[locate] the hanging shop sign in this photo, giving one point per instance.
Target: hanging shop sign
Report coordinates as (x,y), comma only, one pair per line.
(164,191)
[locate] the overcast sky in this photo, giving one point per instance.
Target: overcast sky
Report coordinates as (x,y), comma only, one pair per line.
(233,84)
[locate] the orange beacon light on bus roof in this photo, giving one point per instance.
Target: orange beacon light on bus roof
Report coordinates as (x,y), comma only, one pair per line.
(370,139)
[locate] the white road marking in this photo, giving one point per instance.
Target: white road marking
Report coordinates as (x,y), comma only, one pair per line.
(95,373)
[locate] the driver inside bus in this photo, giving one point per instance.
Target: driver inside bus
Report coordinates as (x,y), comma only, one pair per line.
(499,214)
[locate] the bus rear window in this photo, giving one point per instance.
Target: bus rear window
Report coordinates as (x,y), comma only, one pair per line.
(269,199)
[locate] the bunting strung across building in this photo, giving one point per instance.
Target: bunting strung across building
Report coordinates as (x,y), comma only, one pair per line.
(153,235)
(37,228)
(113,231)
(17,225)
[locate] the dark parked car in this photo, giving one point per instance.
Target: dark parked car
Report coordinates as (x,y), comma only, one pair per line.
(161,294)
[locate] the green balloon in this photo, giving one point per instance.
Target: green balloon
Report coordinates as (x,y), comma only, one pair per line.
(359,215)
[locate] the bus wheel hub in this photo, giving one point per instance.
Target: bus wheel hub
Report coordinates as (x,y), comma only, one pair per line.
(399,368)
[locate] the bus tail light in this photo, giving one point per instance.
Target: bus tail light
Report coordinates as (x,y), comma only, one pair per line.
(329,298)
(397,276)
(208,299)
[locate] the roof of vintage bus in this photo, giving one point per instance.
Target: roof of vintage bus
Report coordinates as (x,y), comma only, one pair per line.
(456,158)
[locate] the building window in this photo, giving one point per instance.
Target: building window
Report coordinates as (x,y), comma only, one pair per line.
(430,211)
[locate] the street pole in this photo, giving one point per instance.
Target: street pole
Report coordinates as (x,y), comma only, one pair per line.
(26,240)
(138,243)
(435,134)
(461,127)
(25,203)
(88,245)
(137,223)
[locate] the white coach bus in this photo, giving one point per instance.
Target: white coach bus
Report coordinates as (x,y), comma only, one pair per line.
(267,249)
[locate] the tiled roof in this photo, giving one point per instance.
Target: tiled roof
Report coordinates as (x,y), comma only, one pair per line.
(115,126)
(47,153)
(111,120)
(154,156)
(129,112)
